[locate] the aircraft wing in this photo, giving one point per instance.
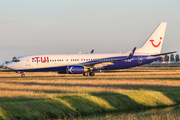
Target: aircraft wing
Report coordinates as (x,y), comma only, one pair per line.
(163,53)
(108,62)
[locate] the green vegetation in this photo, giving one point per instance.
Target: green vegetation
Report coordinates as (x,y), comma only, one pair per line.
(48,95)
(168,113)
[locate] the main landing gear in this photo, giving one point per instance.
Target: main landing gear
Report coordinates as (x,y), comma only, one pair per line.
(85,74)
(90,73)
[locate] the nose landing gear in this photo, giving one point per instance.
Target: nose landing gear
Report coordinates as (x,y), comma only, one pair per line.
(21,72)
(22,75)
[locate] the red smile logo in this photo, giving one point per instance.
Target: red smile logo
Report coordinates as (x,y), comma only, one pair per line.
(152,41)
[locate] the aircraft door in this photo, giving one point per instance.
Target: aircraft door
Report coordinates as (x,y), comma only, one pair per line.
(140,59)
(28,62)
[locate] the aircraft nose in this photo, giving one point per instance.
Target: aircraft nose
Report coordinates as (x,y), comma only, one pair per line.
(9,65)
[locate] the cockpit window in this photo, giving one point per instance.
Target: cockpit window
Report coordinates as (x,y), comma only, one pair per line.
(16,60)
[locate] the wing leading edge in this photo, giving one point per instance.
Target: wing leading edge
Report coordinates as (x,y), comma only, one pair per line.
(109,61)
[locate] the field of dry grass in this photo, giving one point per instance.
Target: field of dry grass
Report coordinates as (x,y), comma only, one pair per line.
(129,82)
(49,84)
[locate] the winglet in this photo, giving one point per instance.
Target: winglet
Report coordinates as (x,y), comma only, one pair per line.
(92,51)
(131,54)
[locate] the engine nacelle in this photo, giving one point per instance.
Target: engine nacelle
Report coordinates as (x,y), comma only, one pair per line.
(76,70)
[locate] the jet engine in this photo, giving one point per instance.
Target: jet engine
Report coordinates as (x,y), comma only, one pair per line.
(76,70)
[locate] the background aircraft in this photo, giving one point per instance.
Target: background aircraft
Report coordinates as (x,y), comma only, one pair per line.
(1,64)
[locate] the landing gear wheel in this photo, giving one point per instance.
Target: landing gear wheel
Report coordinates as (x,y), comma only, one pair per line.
(85,74)
(91,73)
(22,75)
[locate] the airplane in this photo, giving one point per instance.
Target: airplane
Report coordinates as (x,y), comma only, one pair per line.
(87,64)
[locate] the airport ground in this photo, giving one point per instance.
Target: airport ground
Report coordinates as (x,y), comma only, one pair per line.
(45,95)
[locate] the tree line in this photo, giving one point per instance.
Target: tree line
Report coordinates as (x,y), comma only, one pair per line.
(171,58)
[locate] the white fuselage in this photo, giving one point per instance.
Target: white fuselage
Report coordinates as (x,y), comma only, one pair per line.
(58,60)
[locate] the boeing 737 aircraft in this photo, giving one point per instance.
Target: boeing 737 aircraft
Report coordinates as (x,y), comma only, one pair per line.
(86,64)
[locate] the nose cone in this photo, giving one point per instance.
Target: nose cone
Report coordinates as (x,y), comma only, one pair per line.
(9,65)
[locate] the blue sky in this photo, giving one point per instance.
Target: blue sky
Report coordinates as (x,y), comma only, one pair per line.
(70,26)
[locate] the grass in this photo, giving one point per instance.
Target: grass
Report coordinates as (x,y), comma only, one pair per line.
(169,113)
(49,95)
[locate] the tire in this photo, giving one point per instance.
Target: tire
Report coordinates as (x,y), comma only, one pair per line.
(91,74)
(85,74)
(22,75)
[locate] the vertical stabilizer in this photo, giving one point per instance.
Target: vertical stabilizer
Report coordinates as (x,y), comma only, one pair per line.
(154,43)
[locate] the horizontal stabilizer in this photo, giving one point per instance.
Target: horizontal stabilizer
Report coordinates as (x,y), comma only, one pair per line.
(164,53)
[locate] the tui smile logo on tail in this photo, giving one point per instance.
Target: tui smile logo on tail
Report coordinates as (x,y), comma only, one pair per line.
(152,41)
